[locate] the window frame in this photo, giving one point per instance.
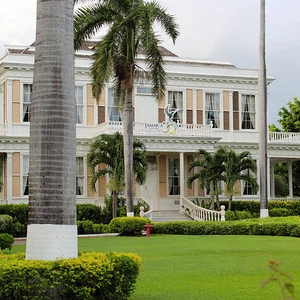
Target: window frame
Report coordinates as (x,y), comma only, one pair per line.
(241,95)
(109,93)
(80,105)
(170,177)
(183,109)
(82,177)
(220,110)
(22,115)
(24,187)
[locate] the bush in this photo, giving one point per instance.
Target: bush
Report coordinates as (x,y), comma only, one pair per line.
(6,241)
(89,212)
(19,212)
(6,224)
(90,276)
(269,226)
(241,215)
(128,225)
(279,212)
(88,227)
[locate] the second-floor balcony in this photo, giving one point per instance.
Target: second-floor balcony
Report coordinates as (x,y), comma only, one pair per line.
(157,129)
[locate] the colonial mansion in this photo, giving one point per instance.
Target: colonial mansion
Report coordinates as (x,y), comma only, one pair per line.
(216,105)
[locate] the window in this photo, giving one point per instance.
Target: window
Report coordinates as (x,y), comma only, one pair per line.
(175,99)
(174,176)
(27,97)
(248,189)
(112,109)
(212,109)
(25,175)
(79,176)
(79,104)
(248,112)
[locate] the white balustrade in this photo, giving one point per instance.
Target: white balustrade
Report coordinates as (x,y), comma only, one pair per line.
(202,214)
(147,214)
(284,137)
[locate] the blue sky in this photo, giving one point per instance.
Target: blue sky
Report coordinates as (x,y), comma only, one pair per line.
(210,29)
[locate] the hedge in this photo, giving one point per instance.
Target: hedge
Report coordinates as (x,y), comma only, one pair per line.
(270,226)
(6,241)
(128,225)
(106,276)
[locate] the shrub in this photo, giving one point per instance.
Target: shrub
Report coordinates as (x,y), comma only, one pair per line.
(128,225)
(6,241)
(230,215)
(269,226)
(279,212)
(90,276)
(19,212)
(6,224)
(89,212)
(241,215)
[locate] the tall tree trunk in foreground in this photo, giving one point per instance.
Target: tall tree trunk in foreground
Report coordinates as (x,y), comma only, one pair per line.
(262,108)
(52,230)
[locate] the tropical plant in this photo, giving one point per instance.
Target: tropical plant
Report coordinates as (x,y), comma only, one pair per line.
(238,167)
(107,151)
(130,31)
(52,167)
(210,171)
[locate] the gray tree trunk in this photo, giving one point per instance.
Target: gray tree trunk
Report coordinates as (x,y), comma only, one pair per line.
(262,109)
(128,152)
(52,230)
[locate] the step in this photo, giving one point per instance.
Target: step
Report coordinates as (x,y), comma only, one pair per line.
(168,216)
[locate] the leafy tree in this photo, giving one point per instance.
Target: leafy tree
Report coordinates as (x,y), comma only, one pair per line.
(108,150)
(210,171)
(281,186)
(130,31)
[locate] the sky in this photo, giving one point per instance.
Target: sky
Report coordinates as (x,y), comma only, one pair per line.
(222,30)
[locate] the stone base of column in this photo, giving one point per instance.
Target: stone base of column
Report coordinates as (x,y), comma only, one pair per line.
(50,242)
(264,213)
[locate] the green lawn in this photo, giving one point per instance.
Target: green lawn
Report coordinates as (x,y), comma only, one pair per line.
(203,267)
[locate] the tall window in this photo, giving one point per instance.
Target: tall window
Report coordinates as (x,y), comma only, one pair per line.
(248,189)
(175,99)
(248,112)
(174,176)
(112,109)
(212,109)
(79,104)
(79,176)
(27,97)
(25,175)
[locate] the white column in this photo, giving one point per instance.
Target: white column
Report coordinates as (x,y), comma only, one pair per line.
(272,180)
(194,106)
(268,178)
(182,185)
(290,166)
(9,177)
(9,107)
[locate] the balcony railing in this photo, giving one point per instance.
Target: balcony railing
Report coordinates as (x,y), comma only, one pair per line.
(284,137)
(156,129)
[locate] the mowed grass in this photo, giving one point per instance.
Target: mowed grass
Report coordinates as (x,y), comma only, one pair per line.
(204,267)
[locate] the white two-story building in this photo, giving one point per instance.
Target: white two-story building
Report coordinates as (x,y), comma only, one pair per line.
(217,105)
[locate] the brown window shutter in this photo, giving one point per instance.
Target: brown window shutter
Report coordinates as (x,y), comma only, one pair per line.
(199,117)
(235,101)
(189,117)
(161,115)
(133,113)
(226,120)
(101,114)
(236,120)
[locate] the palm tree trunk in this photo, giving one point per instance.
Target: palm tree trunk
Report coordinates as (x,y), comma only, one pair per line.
(52,230)
(114,204)
(262,108)
(230,202)
(128,147)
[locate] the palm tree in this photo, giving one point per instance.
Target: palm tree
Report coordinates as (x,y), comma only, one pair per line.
(263,129)
(130,32)
(108,150)
(52,230)
(210,172)
(238,167)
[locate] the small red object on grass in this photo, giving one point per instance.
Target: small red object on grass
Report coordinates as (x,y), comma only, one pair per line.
(148,227)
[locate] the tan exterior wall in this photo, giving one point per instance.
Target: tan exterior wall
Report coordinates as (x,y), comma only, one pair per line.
(16,175)
(189,99)
(90,192)
(102,184)
(237,188)
(200,99)
(102,97)
(16,101)
(90,106)
(162,176)
(226,100)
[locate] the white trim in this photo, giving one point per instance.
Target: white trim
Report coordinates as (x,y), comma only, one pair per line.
(50,242)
